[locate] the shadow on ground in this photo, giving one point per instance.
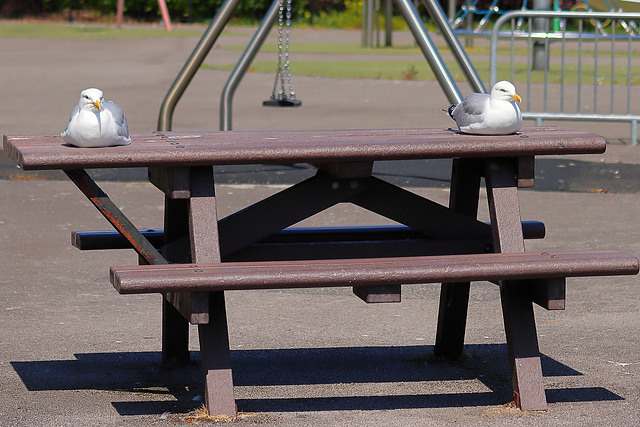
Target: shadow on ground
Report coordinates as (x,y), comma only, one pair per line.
(551,174)
(157,390)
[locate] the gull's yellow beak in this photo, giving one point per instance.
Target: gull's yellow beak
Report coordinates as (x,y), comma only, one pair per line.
(516,97)
(99,107)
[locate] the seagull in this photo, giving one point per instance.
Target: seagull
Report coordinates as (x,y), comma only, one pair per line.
(489,114)
(95,122)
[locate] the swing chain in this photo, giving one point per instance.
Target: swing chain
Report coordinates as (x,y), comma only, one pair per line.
(283,72)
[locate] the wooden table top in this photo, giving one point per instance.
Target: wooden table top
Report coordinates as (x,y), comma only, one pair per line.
(174,149)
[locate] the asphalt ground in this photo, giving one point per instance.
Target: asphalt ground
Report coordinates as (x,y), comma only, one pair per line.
(74,352)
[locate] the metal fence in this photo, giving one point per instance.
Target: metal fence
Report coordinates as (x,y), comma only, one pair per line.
(579,66)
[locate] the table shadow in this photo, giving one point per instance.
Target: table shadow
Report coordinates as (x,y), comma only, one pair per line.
(551,174)
(140,373)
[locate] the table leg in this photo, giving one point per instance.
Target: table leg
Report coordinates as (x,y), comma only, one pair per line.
(522,344)
(454,297)
(504,208)
(175,336)
(216,359)
(517,298)
(214,338)
(175,327)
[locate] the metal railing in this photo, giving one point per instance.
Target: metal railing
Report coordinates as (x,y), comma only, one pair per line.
(583,60)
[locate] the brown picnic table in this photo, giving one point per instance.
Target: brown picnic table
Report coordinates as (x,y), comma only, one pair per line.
(197,256)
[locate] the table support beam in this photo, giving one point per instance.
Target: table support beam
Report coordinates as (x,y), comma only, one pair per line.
(454,297)
(175,336)
(114,215)
(284,209)
(522,345)
(175,326)
(516,297)
(426,216)
(215,354)
(504,207)
(216,359)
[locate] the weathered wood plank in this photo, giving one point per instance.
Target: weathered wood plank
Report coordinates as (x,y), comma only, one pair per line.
(33,152)
(376,271)
(516,296)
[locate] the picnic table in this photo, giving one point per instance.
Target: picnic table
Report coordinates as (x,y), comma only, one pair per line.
(197,256)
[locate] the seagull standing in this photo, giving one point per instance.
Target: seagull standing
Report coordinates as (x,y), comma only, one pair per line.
(489,114)
(95,122)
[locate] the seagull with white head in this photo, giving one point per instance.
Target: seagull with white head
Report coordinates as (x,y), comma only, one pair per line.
(489,114)
(95,122)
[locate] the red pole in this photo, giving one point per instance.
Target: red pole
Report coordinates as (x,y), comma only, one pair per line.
(119,13)
(165,14)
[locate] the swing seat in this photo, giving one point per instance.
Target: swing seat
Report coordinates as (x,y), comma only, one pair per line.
(282,103)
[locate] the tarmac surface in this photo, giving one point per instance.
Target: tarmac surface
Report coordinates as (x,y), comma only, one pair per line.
(74,352)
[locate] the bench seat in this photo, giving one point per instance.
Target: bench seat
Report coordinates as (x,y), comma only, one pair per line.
(370,272)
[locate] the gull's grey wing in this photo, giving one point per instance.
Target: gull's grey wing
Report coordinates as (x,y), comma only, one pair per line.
(118,117)
(471,109)
(475,103)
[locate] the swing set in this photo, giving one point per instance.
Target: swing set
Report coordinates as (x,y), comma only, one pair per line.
(283,94)
(280,98)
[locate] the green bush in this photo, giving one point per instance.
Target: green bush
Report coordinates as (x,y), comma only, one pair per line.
(199,10)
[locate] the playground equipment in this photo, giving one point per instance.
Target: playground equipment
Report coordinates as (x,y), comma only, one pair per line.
(614,5)
(407,10)
(281,97)
(470,8)
(609,6)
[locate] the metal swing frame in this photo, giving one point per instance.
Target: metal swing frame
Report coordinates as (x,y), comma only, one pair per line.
(222,17)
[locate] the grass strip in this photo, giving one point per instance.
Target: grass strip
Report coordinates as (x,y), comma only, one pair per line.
(89,32)
(403,70)
(354,49)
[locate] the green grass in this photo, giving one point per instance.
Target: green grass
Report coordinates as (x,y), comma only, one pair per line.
(339,49)
(19,29)
(370,69)
(403,70)
(354,49)
(90,32)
